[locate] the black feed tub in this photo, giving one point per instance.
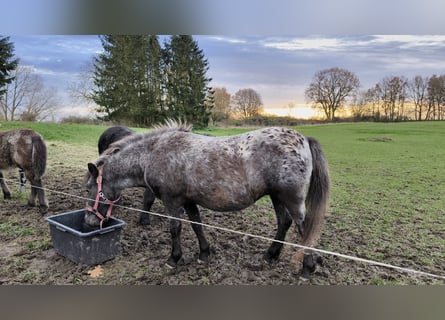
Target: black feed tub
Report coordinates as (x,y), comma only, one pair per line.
(89,248)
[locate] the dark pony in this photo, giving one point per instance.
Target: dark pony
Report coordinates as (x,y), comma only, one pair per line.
(230,173)
(25,149)
(112,135)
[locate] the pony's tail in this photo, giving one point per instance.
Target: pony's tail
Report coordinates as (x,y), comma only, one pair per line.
(39,155)
(317,199)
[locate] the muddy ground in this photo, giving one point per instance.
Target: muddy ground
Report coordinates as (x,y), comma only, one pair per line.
(27,255)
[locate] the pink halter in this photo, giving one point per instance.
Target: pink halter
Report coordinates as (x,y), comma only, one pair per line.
(100,196)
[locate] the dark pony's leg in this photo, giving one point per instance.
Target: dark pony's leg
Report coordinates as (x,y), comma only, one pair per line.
(284,221)
(5,189)
(147,202)
(175,231)
(193,214)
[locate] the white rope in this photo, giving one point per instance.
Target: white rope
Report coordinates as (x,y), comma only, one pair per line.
(332,253)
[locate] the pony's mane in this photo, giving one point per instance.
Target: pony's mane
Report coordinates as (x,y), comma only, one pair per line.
(173,125)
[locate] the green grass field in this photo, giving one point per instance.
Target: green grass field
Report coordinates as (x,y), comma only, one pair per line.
(388,195)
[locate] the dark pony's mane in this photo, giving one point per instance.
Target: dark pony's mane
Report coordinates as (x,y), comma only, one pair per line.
(168,126)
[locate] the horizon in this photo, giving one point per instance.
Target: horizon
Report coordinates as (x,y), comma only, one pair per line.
(279,68)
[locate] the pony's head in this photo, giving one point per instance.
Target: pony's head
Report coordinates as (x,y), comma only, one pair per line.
(101,197)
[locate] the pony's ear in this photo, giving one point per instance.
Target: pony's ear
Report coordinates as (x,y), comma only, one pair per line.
(93,170)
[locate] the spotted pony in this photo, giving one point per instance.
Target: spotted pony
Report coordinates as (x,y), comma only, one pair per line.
(186,170)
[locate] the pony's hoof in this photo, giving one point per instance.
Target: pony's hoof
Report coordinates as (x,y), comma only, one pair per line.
(172,264)
(269,258)
(7,195)
(306,273)
(43,210)
(204,257)
(203,260)
(144,220)
(310,263)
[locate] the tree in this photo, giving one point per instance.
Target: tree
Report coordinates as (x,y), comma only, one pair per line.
(27,96)
(81,90)
(330,88)
(127,79)
(221,108)
(290,108)
(7,64)
(361,106)
(436,97)
(185,81)
(393,97)
(40,103)
(246,103)
(418,90)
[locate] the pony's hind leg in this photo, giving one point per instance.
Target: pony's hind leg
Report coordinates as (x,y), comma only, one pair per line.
(38,192)
(298,215)
(284,222)
(294,201)
(204,248)
(5,189)
(297,210)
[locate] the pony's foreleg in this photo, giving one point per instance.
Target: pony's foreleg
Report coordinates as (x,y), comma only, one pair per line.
(175,231)
(284,221)
(5,189)
(204,248)
(147,202)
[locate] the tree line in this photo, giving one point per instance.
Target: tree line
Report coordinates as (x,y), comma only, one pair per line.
(398,98)
(394,98)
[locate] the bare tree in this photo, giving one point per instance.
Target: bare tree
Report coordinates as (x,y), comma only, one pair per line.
(26,95)
(246,103)
(436,98)
(361,106)
(221,107)
(330,88)
(393,97)
(81,90)
(290,108)
(16,92)
(41,102)
(418,91)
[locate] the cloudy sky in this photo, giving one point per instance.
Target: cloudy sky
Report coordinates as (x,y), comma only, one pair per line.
(277,67)
(293,39)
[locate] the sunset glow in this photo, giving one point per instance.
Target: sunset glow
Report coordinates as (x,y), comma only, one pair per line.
(299,112)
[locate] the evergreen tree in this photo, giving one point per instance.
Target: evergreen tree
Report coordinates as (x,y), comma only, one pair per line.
(185,81)
(7,63)
(127,78)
